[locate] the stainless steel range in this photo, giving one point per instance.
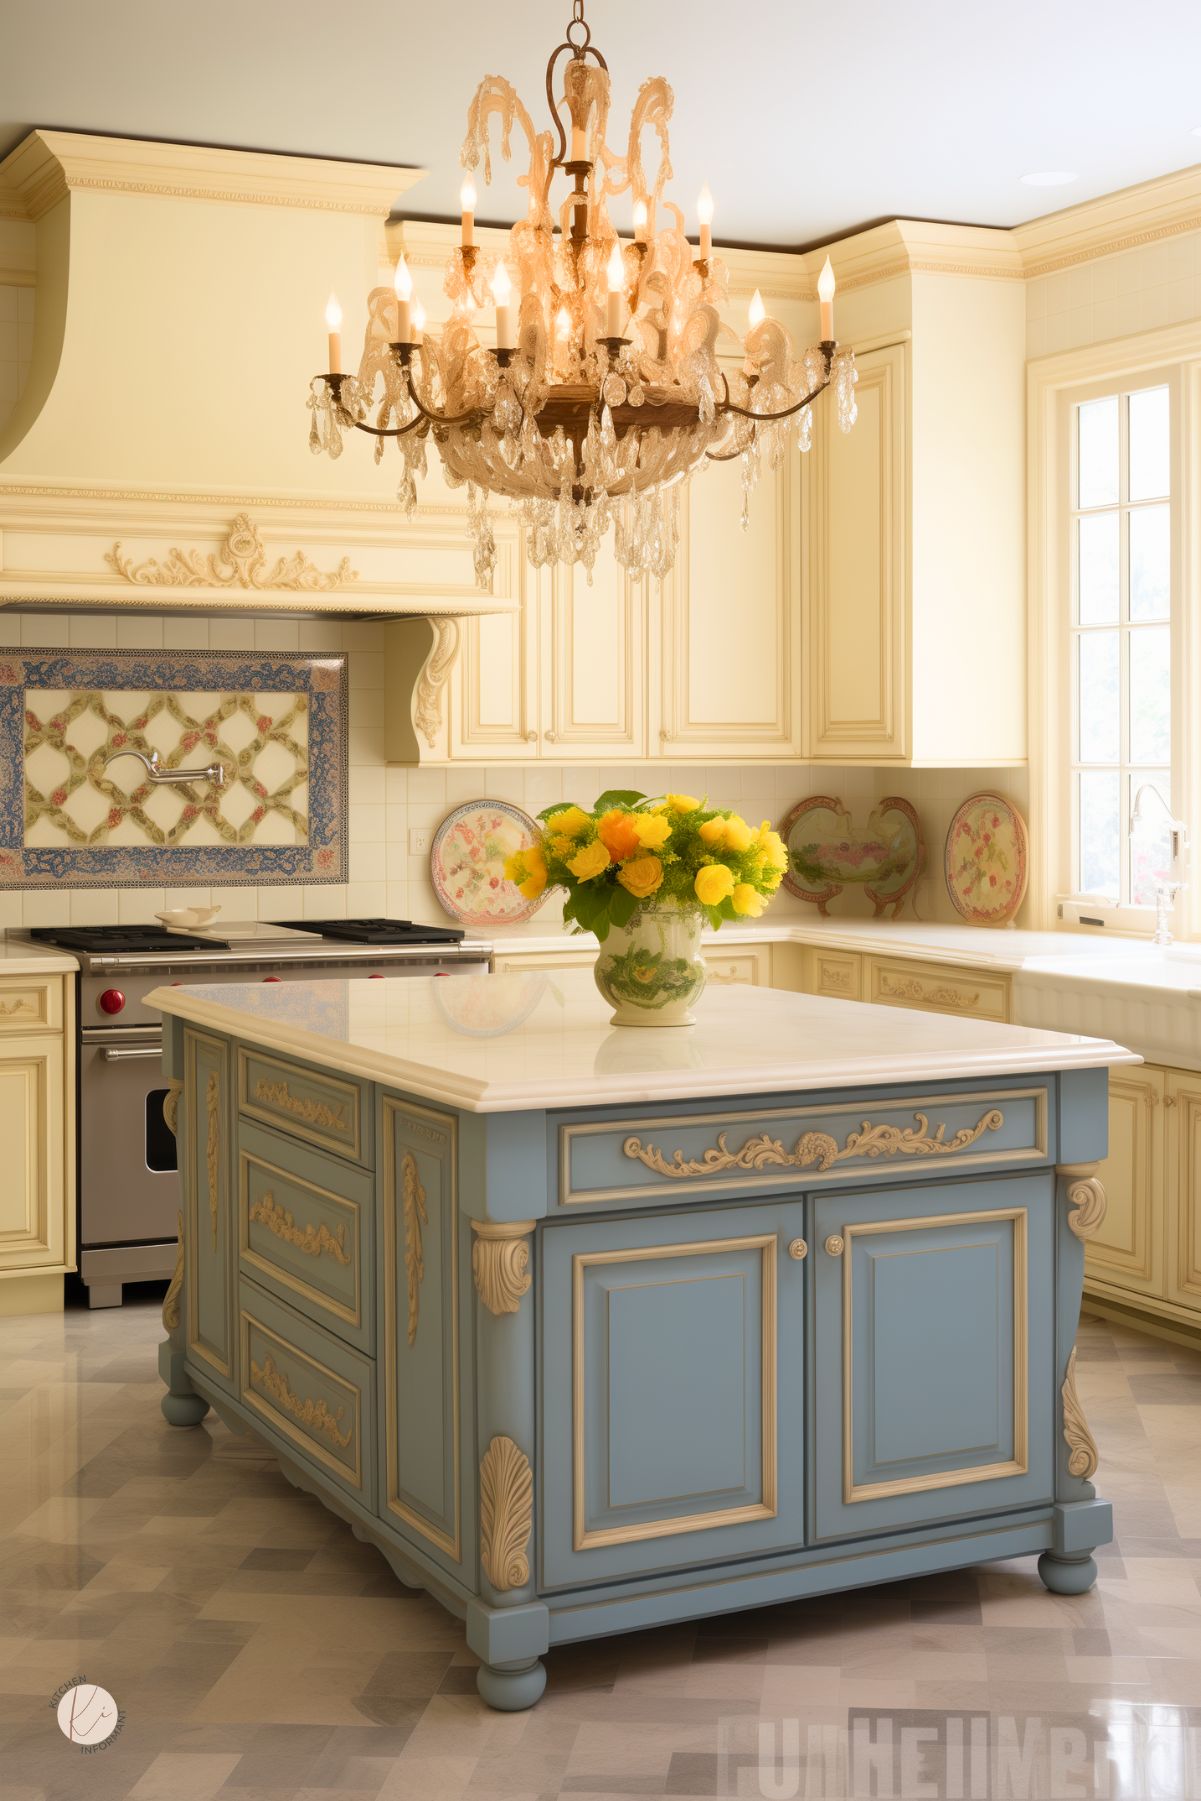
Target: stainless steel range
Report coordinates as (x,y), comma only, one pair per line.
(127,1187)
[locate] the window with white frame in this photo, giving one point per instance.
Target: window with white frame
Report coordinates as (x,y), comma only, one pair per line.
(1122,632)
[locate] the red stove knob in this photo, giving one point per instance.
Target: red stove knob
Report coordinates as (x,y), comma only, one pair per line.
(111,1001)
(273,978)
(376,976)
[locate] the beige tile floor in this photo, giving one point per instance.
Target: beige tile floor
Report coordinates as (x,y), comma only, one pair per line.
(258,1651)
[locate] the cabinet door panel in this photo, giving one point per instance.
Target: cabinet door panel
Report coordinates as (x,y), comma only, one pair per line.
(731,620)
(31,1132)
(205,1170)
(594,688)
(493,688)
(857,569)
(666,1441)
(1184,1189)
(1127,1248)
(938,1312)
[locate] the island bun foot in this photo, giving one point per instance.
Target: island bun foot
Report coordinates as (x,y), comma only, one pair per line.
(181,1405)
(513,1688)
(183,1409)
(1067,1575)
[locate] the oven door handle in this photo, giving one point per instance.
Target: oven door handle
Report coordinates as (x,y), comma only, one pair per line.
(124,1053)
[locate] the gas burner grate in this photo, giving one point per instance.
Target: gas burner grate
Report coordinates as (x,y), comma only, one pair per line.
(104,941)
(374,931)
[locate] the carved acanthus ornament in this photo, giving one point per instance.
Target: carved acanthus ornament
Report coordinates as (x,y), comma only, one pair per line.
(912,988)
(431,683)
(1086,1199)
(415,1216)
(500,1263)
(818,1149)
(171,1106)
(175,1287)
(240,563)
(212,1149)
(301,1106)
(314,1416)
(506,1514)
(1082,1447)
(314,1240)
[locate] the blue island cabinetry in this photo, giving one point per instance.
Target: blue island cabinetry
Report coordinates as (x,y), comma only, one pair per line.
(585,1368)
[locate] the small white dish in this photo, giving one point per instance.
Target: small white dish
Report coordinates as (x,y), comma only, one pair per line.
(188,918)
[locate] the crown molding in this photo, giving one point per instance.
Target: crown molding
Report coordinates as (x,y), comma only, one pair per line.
(47,165)
(1162,208)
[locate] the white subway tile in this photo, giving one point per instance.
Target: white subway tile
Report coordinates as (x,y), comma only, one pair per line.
(93,631)
(46,631)
(139,631)
(367,785)
(365,825)
(276,634)
(135,906)
(366,900)
(228,632)
(95,907)
(186,632)
(46,907)
(368,862)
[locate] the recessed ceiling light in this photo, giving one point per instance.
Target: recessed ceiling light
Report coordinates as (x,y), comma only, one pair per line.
(1050,178)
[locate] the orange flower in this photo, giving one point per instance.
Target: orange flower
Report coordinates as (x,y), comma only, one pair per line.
(618,832)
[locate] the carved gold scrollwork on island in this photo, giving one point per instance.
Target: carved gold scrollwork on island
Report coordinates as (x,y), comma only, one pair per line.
(241,562)
(1086,1199)
(171,1106)
(175,1287)
(314,1239)
(212,1149)
(506,1514)
(1082,1446)
(415,1216)
(301,1106)
(500,1263)
(314,1416)
(818,1149)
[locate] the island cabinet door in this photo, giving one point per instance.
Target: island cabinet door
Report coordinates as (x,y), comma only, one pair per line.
(933,1359)
(672,1391)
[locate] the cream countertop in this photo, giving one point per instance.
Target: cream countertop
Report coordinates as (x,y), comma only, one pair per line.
(527,1040)
(19,959)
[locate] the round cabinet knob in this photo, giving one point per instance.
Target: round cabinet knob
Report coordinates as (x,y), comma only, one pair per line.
(798,1250)
(835,1245)
(111,1001)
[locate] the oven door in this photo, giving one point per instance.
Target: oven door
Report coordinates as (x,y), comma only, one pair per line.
(128,1186)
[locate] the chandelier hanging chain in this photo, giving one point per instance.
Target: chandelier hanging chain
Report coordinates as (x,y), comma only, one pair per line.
(604,389)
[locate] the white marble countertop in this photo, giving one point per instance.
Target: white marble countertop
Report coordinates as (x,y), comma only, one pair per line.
(17,959)
(529,1040)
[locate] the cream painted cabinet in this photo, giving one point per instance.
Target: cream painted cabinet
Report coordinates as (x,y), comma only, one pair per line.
(730,682)
(492,711)
(594,663)
(37,1134)
(1127,1248)
(1182,1102)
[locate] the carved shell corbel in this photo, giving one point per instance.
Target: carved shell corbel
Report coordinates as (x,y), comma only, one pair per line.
(1082,1446)
(506,1514)
(500,1263)
(1086,1199)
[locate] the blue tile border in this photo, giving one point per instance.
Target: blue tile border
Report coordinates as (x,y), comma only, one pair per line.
(322,678)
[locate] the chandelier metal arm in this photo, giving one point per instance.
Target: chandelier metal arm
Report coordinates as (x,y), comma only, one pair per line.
(827,348)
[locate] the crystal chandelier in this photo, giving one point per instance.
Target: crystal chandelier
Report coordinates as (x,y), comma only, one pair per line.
(605,389)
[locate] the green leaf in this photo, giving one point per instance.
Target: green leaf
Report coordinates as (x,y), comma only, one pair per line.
(714,915)
(618,797)
(622,906)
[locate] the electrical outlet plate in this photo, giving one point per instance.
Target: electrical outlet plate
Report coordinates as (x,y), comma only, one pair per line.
(420,839)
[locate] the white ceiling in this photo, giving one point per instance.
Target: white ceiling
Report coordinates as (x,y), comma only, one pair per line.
(806,119)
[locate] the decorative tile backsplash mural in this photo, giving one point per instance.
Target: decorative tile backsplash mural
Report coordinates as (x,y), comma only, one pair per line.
(76,808)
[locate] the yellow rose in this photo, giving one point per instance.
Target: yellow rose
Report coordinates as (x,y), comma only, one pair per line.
(571,821)
(652,829)
(712,831)
(746,900)
(528,869)
(776,849)
(738,833)
(772,879)
(563,847)
(712,884)
(590,861)
(618,833)
(683,803)
(641,876)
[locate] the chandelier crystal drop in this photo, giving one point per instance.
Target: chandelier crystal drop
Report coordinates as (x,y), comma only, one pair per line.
(613,376)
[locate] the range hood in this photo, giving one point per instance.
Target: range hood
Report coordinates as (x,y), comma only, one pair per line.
(159,457)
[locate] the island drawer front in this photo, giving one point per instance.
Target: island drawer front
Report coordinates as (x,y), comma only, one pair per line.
(629,1160)
(31,1004)
(325,1110)
(312,1392)
(933,1336)
(673,1391)
(306,1231)
(938,988)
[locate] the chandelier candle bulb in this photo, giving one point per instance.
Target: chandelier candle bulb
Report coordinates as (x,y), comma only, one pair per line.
(333,322)
(615,275)
(402,281)
(418,322)
(825,293)
(502,293)
(467,201)
(704,213)
(641,218)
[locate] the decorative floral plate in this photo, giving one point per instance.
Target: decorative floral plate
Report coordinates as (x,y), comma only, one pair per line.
(827,852)
(986,861)
(467,863)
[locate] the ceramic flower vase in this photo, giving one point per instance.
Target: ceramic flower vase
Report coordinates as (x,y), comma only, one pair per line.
(651,970)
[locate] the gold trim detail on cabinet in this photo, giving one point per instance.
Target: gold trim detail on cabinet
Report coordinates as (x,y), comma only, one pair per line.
(301,1106)
(1086,1198)
(416,1215)
(175,1286)
(314,1240)
(818,1149)
(506,1514)
(585,1539)
(241,562)
(171,1106)
(212,1147)
(20,1004)
(1082,1446)
(313,1415)
(911,988)
(500,1263)
(1019,1463)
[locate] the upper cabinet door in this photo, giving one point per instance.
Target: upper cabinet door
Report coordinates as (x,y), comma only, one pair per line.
(857,570)
(593,662)
(731,619)
(494,681)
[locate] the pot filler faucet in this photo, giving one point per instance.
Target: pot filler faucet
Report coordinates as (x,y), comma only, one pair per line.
(1167,890)
(215,773)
